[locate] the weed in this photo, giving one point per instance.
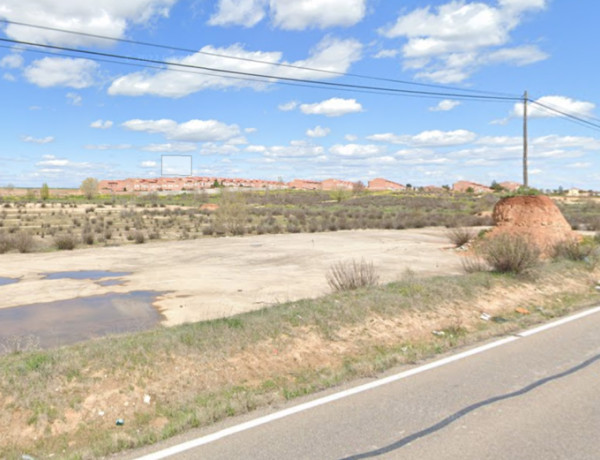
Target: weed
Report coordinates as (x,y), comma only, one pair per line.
(23,242)
(349,275)
(65,241)
(459,236)
(511,254)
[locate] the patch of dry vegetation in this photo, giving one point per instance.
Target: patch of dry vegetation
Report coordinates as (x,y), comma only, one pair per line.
(65,401)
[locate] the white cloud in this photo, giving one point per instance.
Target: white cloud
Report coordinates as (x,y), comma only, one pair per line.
(101,17)
(519,56)
(434,138)
(250,130)
(74,98)
(356,150)
(108,147)
(333,107)
(288,106)
(12,61)
(212,148)
(256,149)
(304,14)
(170,147)
(101,124)
(73,73)
(9,77)
(562,103)
(190,131)
(351,137)
(445,105)
(318,131)
(330,54)
(290,15)
(296,149)
(149,164)
(245,13)
(34,140)
(453,40)
(53,162)
(580,165)
(386,54)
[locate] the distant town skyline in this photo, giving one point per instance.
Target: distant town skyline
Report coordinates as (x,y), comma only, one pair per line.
(83,106)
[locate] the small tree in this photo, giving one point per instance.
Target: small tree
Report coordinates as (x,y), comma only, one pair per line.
(44,192)
(358,187)
(232,214)
(89,187)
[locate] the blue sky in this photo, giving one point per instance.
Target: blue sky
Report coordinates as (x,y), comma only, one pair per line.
(68,117)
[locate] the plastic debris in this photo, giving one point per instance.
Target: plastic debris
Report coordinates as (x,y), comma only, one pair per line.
(147,399)
(522,310)
(438,333)
(101,413)
(27,457)
(120,422)
(485,317)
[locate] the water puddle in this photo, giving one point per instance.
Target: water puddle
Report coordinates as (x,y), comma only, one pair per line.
(5,281)
(68,321)
(84,275)
(110,283)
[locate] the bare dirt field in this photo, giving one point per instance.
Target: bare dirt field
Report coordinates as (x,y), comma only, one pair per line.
(211,278)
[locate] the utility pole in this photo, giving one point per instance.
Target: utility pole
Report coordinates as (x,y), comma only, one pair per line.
(525,178)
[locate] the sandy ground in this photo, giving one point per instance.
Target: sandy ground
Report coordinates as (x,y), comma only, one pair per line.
(211,278)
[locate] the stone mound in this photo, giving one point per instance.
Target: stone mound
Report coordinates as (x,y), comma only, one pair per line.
(536,218)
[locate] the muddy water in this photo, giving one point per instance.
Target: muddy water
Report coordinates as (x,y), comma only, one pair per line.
(68,321)
(84,275)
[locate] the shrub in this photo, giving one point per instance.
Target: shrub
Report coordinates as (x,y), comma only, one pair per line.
(473,263)
(88,238)
(510,254)
(459,236)
(65,241)
(573,249)
(348,275)
(23,242)
(5,243)
(138,237)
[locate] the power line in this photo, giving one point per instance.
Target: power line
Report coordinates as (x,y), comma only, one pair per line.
(259,75)
(557,108)
(279,64)
(567,115)
(231,77)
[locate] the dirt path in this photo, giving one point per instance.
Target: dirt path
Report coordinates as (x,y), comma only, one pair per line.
(211,278)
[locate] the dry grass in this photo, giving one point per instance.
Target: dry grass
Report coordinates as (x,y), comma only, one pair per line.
(52,401)
(459,236)
(507,253)
(351,274)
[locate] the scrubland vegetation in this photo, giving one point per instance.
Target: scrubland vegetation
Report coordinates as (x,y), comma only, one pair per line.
(64,402)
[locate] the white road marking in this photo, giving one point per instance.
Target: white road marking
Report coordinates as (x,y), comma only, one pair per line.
(559,322)
(170,451)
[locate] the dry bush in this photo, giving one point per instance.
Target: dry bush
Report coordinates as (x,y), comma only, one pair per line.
(23,242)
(348,275)
(65,241)
(5,243)
(459,236)
(232,214)
(474,263)
(510,253)
(573,249)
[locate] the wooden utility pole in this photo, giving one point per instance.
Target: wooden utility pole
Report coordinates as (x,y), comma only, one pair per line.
(525,178)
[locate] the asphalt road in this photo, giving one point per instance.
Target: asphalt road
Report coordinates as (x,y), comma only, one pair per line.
(537,397)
